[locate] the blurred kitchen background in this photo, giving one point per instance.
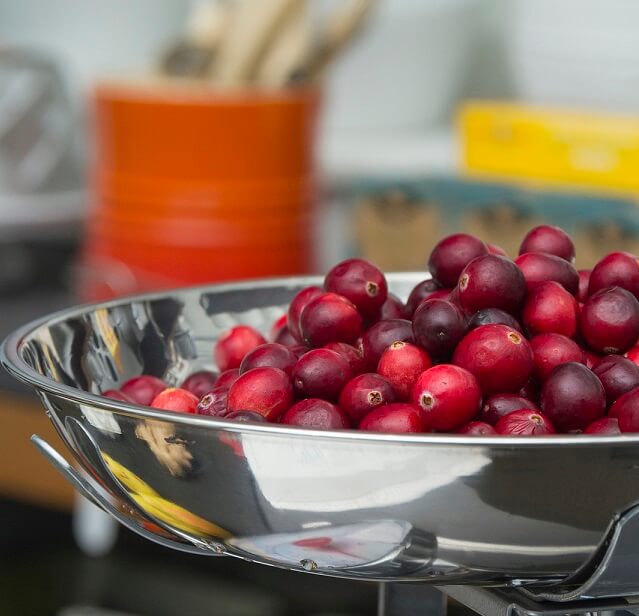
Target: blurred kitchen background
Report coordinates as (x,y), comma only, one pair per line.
(146,144)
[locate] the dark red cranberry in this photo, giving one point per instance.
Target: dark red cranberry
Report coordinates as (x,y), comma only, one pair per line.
(321,373)
(246,417)
(330,318)
(114,394)
(448,395)
(316,414)
(626,410)
(493,249)
(271,355)
(364,393)
(420,292)
(360,282)
(498,356)
(477,428)
(584,281)
(633,354)
(227,378)
(267,391)
(200,382)
(539,267)
(525,422)
(393,308)
(213,403)
(573,397)
(438,326)
(351,354)
(142,389)
(550,240)
(605,426)
(451,255)
(295,308)
(531,390)
(618,375)
(493,316)
(285,337)
(381,335)
(552,350)
(551,309)
(400,364)
(501,404)
(591,358)
(610,320)
(277,327)
(397,418)
(232,346)
(617,269)
(175,399)
(492,282)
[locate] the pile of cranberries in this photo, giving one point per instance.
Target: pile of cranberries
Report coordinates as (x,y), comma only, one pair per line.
(487,345)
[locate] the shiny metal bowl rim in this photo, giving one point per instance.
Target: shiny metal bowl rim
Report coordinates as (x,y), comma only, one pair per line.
(12,361)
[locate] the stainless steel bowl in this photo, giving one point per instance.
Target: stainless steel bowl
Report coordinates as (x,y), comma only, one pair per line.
(440,508)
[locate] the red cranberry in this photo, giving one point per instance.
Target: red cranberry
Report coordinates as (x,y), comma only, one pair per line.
(584,281)
(143,389)
(618,375)
(267,391)
(591,358)
(360,282)
(352,355)
(493,249)
(451,255)
(321,373)
(277,327)
(626,410)
(330,318)
(448,395)
(493,316)
(231,348)
(525,422)
(381,335)
(271,355)
(551,309)
(393,308)
(499,405)
(175,399)
(227,378)
(246,417)
(610,320)
(477,428)
(394,418)
(492,282)
(200,382)
(420,292)
(539,267)
(297,305)
(285,337)
(317,414)
(618,269)
(114,394)
(438,326)
(552,350)
(400,364)
(605,425)
(498,356)
(364,393)
(214,403)
(633,354)
(550,240)
(573,397)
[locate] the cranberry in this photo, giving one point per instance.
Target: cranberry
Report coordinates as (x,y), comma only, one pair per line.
(317,414)
(493,249)
(552,350)
(227,378)
(200,382)
(285,337)
(214,403)
(381,335)
(525,422)
(438,326)
(605,425)
(272,355)
(394,418)
(573,397)
(277,327)
(364,393)
(321,373)
(610,320)
(114,394)
(550,240)
(451,255)
(393,308)
(501,404)
(626,410)
(584,281)
(267,391)
(492,282)
(330,318)
(551,309)
(401,363)
(246,417)
(175,399)
(477,428)
(591,358)
(231,348)
(360,282)
(449,395)
(618,269)
(539,267)
(618,375)
(142,389)
(493,316)
(352,355)
(297,305)
(633,354)
(420,292)
(498,356)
